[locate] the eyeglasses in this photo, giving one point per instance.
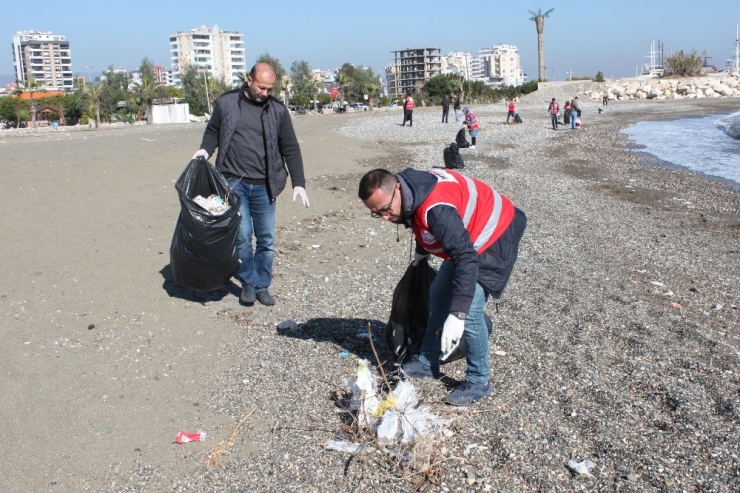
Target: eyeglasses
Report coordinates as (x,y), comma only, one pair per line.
(387,209)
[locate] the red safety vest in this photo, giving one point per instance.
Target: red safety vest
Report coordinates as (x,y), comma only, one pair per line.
(409,103)
(511,107)
(485,213)
(471,121)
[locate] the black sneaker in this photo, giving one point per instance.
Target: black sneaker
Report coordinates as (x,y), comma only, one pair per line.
(265,297)
(468,392)
(415,368)
(248,296)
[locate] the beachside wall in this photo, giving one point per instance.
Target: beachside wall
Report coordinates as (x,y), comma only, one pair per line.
(170,113)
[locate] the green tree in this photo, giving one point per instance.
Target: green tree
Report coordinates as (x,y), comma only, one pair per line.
(440,86)
(342,81)
(357,81)
(57,104)
(279,71)
(145,92)
(194,89)
(372,93)
(301,79)
(31,86)
(539,20)
(95,91)
(683,64)
(14,109)
(146,69)
(599,76)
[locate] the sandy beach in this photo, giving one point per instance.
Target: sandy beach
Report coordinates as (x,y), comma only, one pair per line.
(616,341)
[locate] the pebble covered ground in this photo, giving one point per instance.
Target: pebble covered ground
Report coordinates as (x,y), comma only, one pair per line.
(616,340)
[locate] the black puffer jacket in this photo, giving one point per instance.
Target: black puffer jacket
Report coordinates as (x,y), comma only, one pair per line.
(281,144)
(491,269)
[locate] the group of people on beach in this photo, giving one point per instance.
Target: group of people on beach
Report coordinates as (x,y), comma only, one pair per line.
(571,113)
(474,229)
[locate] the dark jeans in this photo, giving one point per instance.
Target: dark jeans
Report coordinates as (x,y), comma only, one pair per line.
(554,122)
(408,116)
(445,114)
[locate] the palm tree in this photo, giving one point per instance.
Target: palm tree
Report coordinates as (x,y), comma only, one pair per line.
(94,91)
(372,90)
(147,89)
(539,20)
(31,86)
(342,81)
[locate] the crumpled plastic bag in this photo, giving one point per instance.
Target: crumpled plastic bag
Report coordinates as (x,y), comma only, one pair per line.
(581,467)
(414,420)
(364,393)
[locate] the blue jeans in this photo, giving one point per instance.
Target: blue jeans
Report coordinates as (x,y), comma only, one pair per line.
(457,115)
(554,121)
(476,331)
(573,119)
(258,219)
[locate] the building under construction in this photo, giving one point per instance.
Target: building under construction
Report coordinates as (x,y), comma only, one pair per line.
(411,69)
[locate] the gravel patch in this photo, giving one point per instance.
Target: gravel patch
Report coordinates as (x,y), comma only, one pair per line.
(616,342)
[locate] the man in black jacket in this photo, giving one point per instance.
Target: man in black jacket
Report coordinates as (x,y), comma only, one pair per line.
(477,231)
(445,108)
(255,140)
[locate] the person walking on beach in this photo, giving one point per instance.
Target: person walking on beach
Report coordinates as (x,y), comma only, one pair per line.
(575,113)
(566,113)
(408,110)
(456,106)
(471,121)
(605,100)
(512,112)
(476,230)
(553,110)
(445,108)
(256,141)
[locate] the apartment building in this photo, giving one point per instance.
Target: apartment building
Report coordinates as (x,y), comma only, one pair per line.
(498,65)
(221,53)
(457,63)
(44,56)
(411,68)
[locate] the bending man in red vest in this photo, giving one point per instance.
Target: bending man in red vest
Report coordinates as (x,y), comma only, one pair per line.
(408,110)
(476,231)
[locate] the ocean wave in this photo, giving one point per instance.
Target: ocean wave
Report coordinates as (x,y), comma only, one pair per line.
(730,125)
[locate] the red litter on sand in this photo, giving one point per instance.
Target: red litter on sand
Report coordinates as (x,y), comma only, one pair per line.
(183,437)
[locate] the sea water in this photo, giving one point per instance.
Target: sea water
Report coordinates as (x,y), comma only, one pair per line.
(707,144)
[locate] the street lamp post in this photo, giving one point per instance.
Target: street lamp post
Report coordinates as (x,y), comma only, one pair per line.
(89,72)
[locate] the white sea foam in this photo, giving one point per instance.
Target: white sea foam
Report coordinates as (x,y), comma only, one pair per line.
(705,144)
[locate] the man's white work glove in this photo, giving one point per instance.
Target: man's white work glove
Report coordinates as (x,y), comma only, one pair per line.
(200,153)
(301,192)
(418,257)
(452,333)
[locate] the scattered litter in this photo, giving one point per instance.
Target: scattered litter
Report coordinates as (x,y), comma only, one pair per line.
(474,446)
(183,437)
(718,306)
(657,283)
(315,246)
(350,448)
(343,354)
(500,353)
(213,204)
(287,325)
(581,467)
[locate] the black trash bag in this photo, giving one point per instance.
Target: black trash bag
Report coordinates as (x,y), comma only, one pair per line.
(452,157)
(410,313)
(460,139)
(517,118)
(203,254)
(410,310)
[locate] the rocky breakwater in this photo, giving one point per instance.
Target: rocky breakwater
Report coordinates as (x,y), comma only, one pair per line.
(727,86)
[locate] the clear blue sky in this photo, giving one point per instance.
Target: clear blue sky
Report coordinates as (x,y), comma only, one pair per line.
(581,35)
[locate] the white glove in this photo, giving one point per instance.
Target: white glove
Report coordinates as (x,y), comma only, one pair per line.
(301,192)
(418,257)
(201,153)
(451,334)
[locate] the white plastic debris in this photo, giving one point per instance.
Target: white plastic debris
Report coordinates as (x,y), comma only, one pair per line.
(581,467)
(213,204)
(364,393)
(657,283)
(350,448)
(474,446)
(287,325)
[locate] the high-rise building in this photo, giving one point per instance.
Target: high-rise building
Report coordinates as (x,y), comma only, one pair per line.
(411,69)
(498,65)
(44,56)
(457,63)
(220,52)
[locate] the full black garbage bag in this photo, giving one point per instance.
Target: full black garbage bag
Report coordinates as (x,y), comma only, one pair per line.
(452,157)
(203,254)
(410,313)
(410,310)
(460,139)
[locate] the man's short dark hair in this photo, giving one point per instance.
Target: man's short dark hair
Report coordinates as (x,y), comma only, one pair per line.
(375,179)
